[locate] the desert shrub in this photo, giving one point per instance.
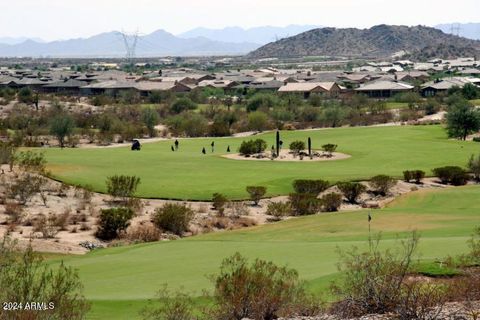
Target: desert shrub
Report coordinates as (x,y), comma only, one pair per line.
(14,212)
(31,161)
(7,153)
(474,166)
(173,217)
(47,226)
(250,147)
(304,203)
(219,201)
(256,193)
(172,306)
(122,187)
(113,221)
(297,146)
(331,201)
(183,104)
(416,175)
(451,175)
(329,148)
(143,233)
(25,187)
(351,190)
(260,290)
(261,100)
(258,121)
(310,186)
(373,280)
(238,208)
(279,209)
(420,300)
(382,184)
(24,277)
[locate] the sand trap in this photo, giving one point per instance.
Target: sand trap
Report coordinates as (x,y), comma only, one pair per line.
(286,155)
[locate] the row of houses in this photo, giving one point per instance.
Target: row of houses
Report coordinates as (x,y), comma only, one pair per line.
(303,82)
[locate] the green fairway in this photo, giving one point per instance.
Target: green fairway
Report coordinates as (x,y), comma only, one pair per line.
(117,277)
(188,174)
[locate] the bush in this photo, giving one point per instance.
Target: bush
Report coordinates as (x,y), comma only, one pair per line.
(113,221)
(382,184)
(173,217)
(122,187)
(256,193)
(250,147)
(260,100)
(257,121)
(143,233)
(416,175)
(25,187)
(31,161)
(331,202)
(304,203)
(297,146)
(25,277)
(373,280)
(474,166)
(310,186)
(219,201)
(183,104)
(172,306)
(279,209)
(451,175)
(351,190)
(261,290)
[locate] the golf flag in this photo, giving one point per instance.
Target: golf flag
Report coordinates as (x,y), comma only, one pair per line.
(369,217)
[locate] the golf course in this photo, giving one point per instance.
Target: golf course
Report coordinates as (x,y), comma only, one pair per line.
(188,174)
(120,281)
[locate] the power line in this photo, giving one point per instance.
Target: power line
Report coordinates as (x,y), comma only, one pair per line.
(130,41)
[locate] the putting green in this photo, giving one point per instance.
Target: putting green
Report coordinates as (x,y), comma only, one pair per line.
(128,276)
(188,174)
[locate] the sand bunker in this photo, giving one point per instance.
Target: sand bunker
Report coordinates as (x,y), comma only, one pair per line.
(286,155)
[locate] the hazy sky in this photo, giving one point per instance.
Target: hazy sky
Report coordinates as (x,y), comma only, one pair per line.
(57,19)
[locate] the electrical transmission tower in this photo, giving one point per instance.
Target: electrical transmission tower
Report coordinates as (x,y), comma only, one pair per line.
(455,29)
(130,40)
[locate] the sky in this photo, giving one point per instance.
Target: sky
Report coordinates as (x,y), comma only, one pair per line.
(64,19)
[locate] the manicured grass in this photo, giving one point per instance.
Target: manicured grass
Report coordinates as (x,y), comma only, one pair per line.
(188,174)
(396,105)
(117,277)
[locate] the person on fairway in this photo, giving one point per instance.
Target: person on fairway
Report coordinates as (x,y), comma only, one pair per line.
(213,146)
(172,148)
(176,144)
(203,150)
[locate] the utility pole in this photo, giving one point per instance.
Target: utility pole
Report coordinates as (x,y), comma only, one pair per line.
(130,41)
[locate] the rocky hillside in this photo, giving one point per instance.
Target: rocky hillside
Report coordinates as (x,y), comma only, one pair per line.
(379,41)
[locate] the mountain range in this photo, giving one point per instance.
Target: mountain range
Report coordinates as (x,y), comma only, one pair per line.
(378,41)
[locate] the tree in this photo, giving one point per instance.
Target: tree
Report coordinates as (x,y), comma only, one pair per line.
(297,146)
(382,184)
(261,100)
(462,120)
(113,221)
(26,278)
(183,104)
(173,217)
(474,166)
(62,126)
(256,193)
(334,116)
(257,121)
(25,95)
(351,190)
(150,119)
(120,186)
(219,201)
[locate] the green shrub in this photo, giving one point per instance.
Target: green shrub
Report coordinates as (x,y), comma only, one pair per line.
(382,184)
(474,166)
(279,209)
(183,104)
(123,187)
(331,201)
(329,148)
(451,175)
(476,139)
(310,186)
(297,146)
(219,201)
(304,203)
(113,221)
(173,217)
(351,190)
(250,147)
(416,175)
(256,193)
(260,290)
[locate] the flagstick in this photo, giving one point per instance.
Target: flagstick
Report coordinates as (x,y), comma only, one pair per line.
(369,234)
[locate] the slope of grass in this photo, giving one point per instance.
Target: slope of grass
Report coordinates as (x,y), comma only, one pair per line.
(117,277)
(188,174)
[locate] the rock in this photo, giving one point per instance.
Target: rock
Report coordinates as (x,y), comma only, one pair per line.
(90,245)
